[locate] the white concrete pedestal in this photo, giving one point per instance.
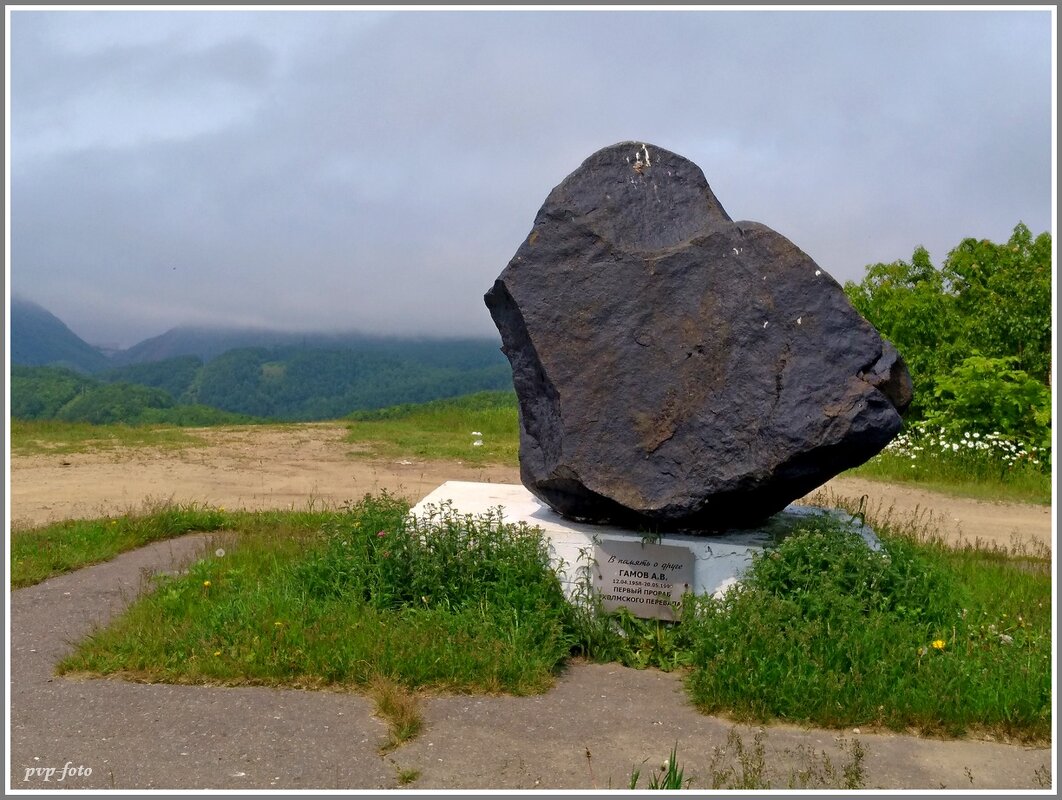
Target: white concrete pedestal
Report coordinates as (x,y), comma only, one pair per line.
(720,559)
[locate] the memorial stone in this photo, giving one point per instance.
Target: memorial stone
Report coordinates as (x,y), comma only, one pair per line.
(675,368)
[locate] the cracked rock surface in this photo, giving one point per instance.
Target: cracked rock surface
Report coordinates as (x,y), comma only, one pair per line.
(676,369)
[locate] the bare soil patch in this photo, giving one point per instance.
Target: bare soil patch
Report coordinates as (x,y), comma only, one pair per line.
(295,466)
(247,467)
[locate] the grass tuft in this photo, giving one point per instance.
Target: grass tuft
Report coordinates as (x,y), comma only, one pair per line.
(398,705)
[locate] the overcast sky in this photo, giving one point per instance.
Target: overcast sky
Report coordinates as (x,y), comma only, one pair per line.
(361,170)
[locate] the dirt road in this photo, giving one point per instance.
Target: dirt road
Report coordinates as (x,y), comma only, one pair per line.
(293,466)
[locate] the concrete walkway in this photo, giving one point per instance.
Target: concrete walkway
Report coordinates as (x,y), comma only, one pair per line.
(154,736)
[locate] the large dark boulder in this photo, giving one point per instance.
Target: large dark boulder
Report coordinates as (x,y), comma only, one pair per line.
(676,369)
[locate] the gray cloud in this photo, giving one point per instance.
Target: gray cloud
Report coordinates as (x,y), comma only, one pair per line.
(376,171)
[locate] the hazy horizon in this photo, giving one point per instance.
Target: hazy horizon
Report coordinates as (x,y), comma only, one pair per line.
(347,170)
(223,326)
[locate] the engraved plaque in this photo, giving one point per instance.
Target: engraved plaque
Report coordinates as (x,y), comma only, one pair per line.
(646,579)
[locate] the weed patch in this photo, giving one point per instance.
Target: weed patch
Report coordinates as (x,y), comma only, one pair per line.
(455,603)
(743,766)
(399,707)
(827,632)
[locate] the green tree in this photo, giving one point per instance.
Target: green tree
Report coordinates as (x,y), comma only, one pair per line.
(1003,295)
(908,302)
(976,334)
(39,392)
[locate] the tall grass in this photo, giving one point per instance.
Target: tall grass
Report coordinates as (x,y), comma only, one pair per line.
(827,632)
(443,430)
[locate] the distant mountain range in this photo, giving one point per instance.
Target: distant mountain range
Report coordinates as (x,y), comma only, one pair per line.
(199,375)
(39,338)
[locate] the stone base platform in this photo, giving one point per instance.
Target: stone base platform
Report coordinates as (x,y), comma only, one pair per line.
(719,559)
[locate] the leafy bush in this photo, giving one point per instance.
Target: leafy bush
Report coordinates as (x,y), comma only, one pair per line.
(455,602)
(826,571)
(989,394)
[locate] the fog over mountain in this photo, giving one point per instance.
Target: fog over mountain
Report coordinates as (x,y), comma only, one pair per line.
(374,171)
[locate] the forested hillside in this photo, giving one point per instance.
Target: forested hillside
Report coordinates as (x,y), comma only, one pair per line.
(298,384)
(57,393)
(174,375)
(284,383)
(199,375)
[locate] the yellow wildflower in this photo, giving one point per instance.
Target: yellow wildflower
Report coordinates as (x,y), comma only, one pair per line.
(938,644)
(206,584)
